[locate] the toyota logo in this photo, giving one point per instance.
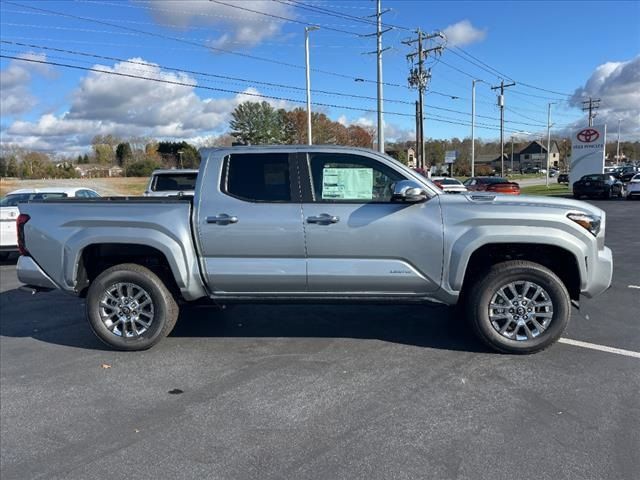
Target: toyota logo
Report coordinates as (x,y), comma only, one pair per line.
(588,135)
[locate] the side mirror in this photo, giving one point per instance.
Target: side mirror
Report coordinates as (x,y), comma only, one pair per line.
(408,191)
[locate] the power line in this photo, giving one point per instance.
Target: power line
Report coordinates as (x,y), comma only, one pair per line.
(279,17)
(237,92)
(189,42)
(233,79)
(334,13)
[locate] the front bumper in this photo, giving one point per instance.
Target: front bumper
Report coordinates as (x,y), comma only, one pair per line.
(32,275)
(600,274)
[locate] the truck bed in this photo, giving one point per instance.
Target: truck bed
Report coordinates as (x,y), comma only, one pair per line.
(60,230)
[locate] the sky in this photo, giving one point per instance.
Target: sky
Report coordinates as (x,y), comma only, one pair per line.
(212,55)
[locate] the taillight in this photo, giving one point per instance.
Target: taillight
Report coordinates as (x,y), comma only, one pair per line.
(21,220)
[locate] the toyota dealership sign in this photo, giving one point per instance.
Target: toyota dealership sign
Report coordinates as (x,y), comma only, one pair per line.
(587,152)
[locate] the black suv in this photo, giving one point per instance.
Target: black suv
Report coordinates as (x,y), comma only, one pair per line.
(598,185)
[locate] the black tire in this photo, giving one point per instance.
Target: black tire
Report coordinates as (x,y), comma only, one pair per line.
(160,317)
(607,195)
(4,256)
(576,196)
(480,294)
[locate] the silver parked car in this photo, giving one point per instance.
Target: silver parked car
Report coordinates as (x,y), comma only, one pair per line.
(319,224)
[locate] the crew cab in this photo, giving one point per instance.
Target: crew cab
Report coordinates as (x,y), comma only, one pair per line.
(318,224)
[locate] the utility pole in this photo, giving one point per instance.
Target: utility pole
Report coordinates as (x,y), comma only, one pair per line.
(618,147)
(591,105)
(548,138)
(306,56)
(379,55)
(418,136)
(419,79)
(502,86)
(511,154)
(379,50)
(473,125)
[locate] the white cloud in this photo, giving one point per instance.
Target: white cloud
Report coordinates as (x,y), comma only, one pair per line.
(244,27)
(392,132)
(617,85)
(129,107)
(464,33)
(15,96)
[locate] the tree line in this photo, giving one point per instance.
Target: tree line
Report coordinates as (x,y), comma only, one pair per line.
(252,123)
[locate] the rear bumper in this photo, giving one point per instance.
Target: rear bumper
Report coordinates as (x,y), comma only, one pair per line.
(600,274)
(32,275)
(13,248)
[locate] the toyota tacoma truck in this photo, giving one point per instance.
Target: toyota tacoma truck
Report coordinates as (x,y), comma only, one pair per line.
(318,224)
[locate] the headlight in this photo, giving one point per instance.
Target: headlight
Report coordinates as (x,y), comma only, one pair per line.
(590,222)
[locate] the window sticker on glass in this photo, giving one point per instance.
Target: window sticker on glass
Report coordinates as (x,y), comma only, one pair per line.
(347,183)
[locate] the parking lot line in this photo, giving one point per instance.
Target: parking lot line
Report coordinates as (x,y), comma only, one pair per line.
(635,286)
(602,348)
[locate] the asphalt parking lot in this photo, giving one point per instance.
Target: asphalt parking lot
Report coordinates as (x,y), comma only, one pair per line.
(323,392)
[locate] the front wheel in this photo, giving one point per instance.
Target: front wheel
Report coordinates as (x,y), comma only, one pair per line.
(130,308)
(519,307)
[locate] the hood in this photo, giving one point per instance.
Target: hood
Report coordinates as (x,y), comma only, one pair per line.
(524,201)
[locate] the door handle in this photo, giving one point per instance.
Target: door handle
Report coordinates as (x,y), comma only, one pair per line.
(323,219)
(223,219)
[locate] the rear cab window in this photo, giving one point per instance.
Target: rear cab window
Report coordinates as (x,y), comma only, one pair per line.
(165,182)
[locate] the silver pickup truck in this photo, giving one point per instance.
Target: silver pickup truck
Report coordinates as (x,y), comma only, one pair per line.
(318,224)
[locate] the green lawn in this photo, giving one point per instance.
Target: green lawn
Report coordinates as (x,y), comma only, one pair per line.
(554,189)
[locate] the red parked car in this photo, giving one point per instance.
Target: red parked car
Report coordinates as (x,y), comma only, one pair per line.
(492,185)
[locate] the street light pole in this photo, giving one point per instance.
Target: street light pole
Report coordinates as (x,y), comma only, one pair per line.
(473,125)
(511,154)
(548,138)
(618,147)
(306,52)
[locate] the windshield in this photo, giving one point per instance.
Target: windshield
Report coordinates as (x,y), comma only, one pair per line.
(492,180)
(14,199)
(174,181)
(449,181)
(593,178)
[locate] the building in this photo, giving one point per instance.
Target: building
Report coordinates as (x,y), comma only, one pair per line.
(98,171)
(535,155)
(493,162)
(398,154)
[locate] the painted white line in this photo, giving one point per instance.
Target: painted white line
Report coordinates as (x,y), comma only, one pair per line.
(602,348)
(635,286)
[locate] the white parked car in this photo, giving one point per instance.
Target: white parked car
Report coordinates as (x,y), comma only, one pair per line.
(633,187)
(172,182)
(449,185)
(9,210)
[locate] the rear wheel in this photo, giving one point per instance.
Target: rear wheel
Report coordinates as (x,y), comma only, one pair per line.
(130,308)
(4,256)
(519,307)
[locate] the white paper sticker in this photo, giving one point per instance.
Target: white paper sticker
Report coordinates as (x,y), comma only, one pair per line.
(347,184)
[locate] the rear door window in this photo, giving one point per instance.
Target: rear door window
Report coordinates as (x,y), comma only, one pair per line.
(259,177)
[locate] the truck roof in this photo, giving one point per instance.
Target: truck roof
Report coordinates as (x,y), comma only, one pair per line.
(287,148)
(170,171)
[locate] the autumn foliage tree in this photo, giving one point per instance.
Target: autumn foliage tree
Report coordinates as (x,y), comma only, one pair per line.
(259,124)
